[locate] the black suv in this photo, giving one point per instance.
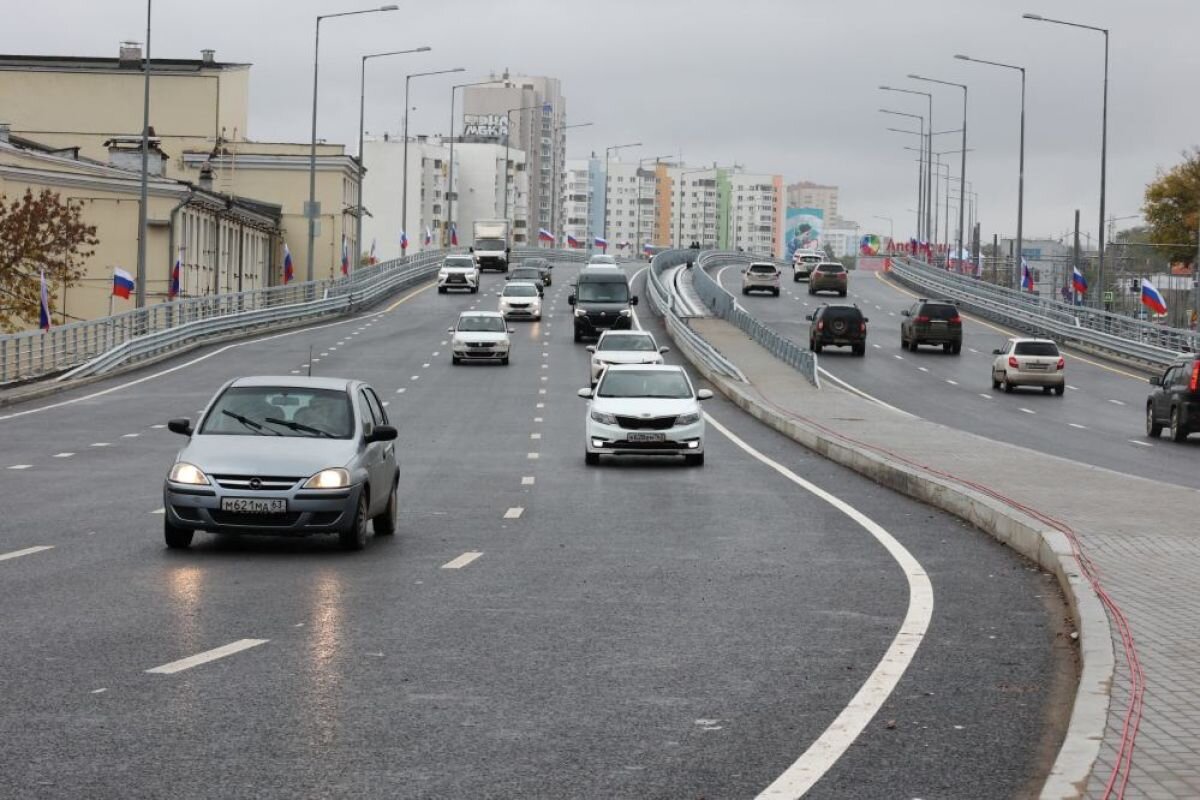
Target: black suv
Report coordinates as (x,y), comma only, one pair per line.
(838,326)
(932,322)
(1176,400)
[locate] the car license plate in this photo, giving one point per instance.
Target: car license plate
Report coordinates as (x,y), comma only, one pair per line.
(647,437)
(253,505)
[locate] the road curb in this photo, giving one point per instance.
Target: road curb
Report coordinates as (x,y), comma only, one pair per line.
(1047,547)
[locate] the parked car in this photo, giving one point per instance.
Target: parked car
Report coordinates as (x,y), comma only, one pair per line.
(458,272)
(803,262)
(1175,402)
(838,326)
(1029,362)
(623,347)
(934,322)
(543,266)
(529,275)
(288,456)
(601,300)
(643,409)
(828,276)
(521,300)
(761,276)
(479,336)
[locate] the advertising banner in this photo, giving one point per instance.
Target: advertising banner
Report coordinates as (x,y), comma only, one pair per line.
(802,230)
(485,127)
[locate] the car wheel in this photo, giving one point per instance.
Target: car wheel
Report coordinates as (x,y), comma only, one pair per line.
(1179,431)
(795,279)
(947,347)
(815,347)
(777,293)
(745,291)
(176,538)
(591,459)
(1047,389)
(694,459)
(995,383)
(860,350)
(504,361)
(903,342)
(441,290)
(355,537)
(475,289)
(1008,387)
(455,360)
(1153,429)
(811,292)
(956,349)
(385,523)
(913,345)
(578,338)
(1060,390)
(842,293)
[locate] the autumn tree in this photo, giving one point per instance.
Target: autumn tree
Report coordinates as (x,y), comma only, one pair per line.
(39,233)
(1172,208)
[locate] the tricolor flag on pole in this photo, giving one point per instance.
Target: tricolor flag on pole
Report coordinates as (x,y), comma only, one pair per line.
(289,270)
(1152,298)
(173,288)
(371,258)
(1026,277)
(545,236)
(572,241)
(453,235)
(600,242)
(428,236)
(123,284)
(44,306)
(403,242)
(1078,281)
(646,247)
(345,256)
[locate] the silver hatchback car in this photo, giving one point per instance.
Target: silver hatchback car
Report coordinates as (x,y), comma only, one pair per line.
(761,276)
(288,456)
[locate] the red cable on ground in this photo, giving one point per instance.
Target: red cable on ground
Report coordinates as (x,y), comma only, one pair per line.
(1131,723)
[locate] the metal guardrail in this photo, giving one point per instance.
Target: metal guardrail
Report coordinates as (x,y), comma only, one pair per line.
(1092,329)
(725,306)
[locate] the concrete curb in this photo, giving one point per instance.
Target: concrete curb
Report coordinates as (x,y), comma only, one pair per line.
(1048,548)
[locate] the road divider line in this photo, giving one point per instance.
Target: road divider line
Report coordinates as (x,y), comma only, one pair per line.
(463,560)
(533,456)
(1028,411)
(21,466)
(208,655)
(1077,426)
(528,480)
(514,513)
(63,455)
(1140,444)
(535,436)
(28,551)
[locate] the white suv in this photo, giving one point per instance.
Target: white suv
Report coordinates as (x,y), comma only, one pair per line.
(761,276)
(1029,362)
(458,272)
(803,262)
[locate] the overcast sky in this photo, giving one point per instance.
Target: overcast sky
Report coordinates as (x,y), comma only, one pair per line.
(782,86)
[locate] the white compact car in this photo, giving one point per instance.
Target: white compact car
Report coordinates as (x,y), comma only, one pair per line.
(761,276)
(521,300)
(623,347)
(458,272)
(602,260)
(480,336)
(803,262)
(645,410)
(1029,362)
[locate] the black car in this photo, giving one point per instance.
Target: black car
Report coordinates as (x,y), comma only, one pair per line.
(543,266)
(838,326)
(935,322)
(529,274)
(1175,402)
(602,301)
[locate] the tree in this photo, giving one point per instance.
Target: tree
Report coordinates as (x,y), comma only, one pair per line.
(1172,208)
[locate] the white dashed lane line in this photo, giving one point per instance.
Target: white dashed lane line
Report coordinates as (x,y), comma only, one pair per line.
(514,513)
(986,396)
(401,390)
(535,436)
(1117,402)
(533,456)
(28,551)
(99,444)
(63,455)
(923,369)
(1077,426)
(897,357)
(1028,411)
(208,655)
(952,383)
(21,466)
(1140,443)
(462,561)
(528,480)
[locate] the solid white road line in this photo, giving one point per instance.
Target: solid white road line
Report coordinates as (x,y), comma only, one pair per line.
(207,656)
(514,513)
(528,480)
(855,390)
(28,551)
(822,754)
(1077,426)
(462,561)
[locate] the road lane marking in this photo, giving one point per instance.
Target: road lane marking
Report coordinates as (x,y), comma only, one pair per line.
(463,560)
(207,656)
(952,383)
(897,357)
(1073,388)
(533,456)
(159,511)
(130,435)
(540,405)
(877,347)
(1117,402)
(923,369)
(1140,444)
(401,390)
(1078,426)
(415,377)
(545,366)
(425,366)
(436,354)
(28,551)
(443,344)
(823,753)
(537,419)
(541,391)
(1028,410)
(99,444)
(514,513)
(528,480)
(986,396)
(21,466)
(535,436)
(63,455)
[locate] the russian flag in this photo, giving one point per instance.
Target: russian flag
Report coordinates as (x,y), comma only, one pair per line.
(289,271)
(345,256)
(453,235)
(1078,281)
(600,242)
(545,236)
(572,241)
(646,247)
(44,306)
(173,288)
(371,258)
(122,283)
(1152,298)
(428,236)
(1026,276)
(403,241)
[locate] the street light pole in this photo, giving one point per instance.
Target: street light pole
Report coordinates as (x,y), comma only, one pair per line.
(450,194)
(404,188)
(928,151)
(140,300)
(963,167)
(311,210)
(362,108)
(554,193)
(921,173)
(608,179)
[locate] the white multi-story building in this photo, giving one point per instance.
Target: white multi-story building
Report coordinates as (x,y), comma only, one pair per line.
(479,170)
(807,194)
(577,200)
(841,238)
(384,193)
(754,221)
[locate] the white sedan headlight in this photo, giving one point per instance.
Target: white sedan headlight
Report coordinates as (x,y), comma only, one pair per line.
(184,472)
(603,418)
(337,478)
(688,419)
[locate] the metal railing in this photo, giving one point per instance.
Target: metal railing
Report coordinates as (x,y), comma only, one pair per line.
(1088,328)
(725,306)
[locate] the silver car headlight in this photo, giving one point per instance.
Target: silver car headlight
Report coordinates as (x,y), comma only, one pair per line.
(603,418)
(336,478)
(579,312)
(688,419)
(625,312)
(184,472)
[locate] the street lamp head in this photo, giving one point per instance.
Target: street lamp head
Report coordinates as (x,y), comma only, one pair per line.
(886,88)
(961,57)
(390,7)
(424,49)
(915,77)
(1037,17)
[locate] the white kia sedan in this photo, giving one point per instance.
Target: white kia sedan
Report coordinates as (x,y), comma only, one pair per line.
(644,410)
(1029,362)
(521,300)
(480,336)
(623,347)
(458,272)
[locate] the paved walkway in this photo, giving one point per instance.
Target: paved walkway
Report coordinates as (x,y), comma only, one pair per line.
(1141,537)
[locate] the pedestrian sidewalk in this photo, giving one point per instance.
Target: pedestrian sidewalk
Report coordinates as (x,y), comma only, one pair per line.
(1124,548)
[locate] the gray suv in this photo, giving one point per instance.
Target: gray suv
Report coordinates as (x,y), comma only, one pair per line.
(288,456)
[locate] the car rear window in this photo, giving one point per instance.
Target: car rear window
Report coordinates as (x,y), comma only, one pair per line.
(842,312)
(939,311)
(832,268)
(526,273)
(763,269)
(811,259)
(1036,349)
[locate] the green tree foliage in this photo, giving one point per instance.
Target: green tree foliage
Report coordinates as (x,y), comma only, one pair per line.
(1172,208)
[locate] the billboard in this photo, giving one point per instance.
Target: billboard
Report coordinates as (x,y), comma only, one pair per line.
(487,127)
(802,230)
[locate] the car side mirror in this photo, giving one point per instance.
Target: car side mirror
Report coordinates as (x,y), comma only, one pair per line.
(704,394)
(1155,380)
(664,350)
(997,352)
(808,317)
(905,313)
(570,299)
(585,393)
(633,300)
(449,330)
(382,433)
(591,348)
(866,320)
(182,426)
(470,249)
(512,330)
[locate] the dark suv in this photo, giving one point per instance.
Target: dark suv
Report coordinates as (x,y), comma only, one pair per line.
(932,322)
(1176,400)
(838,326)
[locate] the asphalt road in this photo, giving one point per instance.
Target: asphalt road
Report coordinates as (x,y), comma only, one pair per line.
(640,629)
(1099,421)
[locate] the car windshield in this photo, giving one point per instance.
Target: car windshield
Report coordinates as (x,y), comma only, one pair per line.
(644,383)
(939,311)
(627,341)
(602,260)
(489,244)
(460,262)
(1036,349)
(832,268)
(607,292)
(280,411)
(525,273)
(481,323)
(520,290)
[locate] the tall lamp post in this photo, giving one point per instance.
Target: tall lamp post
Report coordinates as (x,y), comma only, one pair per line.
(362,107)
(963,168)
(404,189)
(310,210)
(608,178)
(1021,163)
(450,193)
(1103,136)
(928,153)
(554,171)
(638,201)
(140,296)
(922,189)
(507,141)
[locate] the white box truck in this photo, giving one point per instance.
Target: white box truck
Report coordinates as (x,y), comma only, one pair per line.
(491,244)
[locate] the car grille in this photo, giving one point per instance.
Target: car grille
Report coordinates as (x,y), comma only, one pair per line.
(256,483)
(646,424)
(479,344)
(518,305)
(255,520)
